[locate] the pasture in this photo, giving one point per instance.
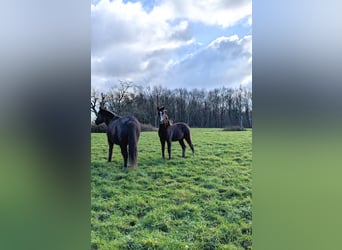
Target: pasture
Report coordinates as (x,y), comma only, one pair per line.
(200,202)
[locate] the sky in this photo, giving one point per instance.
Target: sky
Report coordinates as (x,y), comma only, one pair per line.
(172,43)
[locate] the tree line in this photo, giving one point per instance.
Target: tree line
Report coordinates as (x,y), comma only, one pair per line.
(220,107)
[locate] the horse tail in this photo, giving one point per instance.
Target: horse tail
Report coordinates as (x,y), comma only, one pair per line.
(187,135)
(186,132)
(133,137)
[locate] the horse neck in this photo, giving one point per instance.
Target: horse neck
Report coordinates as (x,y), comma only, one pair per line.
(165,125)
(110,116)
(108,120)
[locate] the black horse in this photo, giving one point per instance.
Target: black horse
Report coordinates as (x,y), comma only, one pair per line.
(169,132)
(123,131)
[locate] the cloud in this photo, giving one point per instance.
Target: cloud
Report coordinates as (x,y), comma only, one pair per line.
(224,13)
(226,61)
(128,25)
(158,46)
(124,34)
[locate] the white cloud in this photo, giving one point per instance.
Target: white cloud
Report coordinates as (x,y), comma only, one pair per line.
(226,61)
(212,12)
(128,25)
(129,43)
(217,42)
(123,35)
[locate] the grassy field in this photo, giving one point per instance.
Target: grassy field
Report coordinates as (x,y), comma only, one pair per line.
(200,202)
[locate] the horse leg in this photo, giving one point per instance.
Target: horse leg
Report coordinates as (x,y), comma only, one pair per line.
(181,142)
(169,149)
(133,138)
(110,151)
(163,147)
(124,154)
(188,140)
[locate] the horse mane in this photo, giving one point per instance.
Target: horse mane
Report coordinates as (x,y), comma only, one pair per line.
(168,121)
(110,113)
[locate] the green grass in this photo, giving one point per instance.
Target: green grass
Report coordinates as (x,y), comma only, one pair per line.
(200,202)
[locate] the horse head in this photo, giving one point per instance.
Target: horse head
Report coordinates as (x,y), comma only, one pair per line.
(163,118)
(100,117)
(104,116)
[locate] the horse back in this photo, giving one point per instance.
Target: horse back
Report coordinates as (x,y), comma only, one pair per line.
(119,130)
(179,131)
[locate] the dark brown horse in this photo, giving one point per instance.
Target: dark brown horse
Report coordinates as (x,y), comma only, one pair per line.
(169,132)
(123,131)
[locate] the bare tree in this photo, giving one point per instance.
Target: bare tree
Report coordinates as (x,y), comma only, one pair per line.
(96,101)
(93,101)
(123,93)
(119,95)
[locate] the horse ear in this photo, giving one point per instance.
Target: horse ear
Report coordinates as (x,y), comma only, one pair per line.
(161,108)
